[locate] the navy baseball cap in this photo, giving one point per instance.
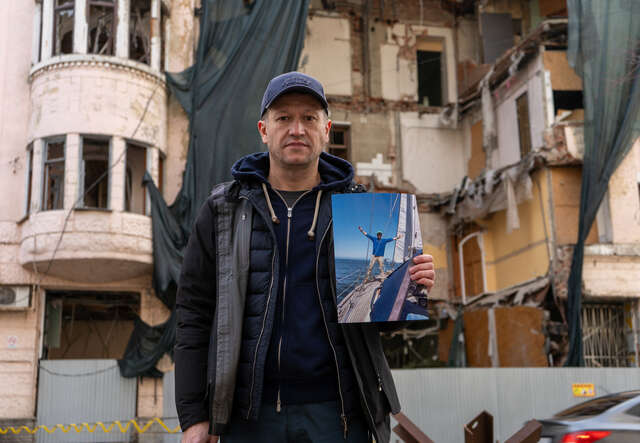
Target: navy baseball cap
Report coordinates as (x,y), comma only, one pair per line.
(293,82)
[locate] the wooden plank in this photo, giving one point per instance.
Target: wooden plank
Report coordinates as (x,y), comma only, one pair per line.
(530,433)
(408,431)
(480,429)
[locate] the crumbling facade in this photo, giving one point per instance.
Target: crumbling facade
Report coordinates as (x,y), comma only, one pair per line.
(470,105)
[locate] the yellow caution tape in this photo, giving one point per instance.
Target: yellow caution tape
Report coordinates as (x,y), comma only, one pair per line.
(91,427)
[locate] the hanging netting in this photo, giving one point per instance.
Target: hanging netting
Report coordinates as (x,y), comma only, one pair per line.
(242,45)
(604,49)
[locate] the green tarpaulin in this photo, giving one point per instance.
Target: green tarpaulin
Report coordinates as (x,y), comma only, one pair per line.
(242,45)
(604,48)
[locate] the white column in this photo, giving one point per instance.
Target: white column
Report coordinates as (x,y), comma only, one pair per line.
(167,39)
(47,29)
(122,31)
(156,44)
(72,157)
(118,162)
(153,160)
(35,44)
(80,27)
(37,175)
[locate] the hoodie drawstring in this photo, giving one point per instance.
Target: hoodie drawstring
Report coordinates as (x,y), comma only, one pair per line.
(311,232)
(274,218)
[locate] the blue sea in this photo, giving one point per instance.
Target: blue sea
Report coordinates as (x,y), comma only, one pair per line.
(351,272)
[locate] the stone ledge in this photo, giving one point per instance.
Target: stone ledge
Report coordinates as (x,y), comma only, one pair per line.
(613,249)
(96,61)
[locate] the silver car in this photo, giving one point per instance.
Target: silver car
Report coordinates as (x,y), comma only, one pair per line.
(607,419)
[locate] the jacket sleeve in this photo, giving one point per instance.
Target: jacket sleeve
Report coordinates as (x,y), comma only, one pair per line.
(195,307)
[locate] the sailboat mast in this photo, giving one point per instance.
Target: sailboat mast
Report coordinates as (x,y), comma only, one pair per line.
(399,248)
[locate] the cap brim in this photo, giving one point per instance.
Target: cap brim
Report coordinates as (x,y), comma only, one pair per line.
(298,88)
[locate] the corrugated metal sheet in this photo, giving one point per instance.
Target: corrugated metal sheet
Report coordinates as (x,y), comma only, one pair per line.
(76,391)
(169,407)
(442,401)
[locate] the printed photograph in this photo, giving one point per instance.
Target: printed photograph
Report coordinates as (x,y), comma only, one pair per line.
(376,237)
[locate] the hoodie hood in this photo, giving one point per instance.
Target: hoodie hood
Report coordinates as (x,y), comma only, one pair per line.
(335,173)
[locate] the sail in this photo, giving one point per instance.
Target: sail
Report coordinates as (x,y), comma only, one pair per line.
(416,240)
(399,250)
(410,241)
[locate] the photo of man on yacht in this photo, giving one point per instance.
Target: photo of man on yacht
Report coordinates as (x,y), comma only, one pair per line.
(388,239)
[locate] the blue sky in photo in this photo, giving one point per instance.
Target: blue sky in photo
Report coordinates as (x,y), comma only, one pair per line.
(374,212)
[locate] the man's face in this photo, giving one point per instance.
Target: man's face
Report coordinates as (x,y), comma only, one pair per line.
(379,236)
(296,130)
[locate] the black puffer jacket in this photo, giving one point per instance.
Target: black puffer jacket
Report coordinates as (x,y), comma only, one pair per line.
(356,349)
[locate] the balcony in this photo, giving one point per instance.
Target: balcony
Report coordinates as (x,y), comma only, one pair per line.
(91,94)
(96,247)
(88,210)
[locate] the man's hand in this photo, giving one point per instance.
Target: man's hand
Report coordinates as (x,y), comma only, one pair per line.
(199,433)
(397,236)
(361,230)
(423,272)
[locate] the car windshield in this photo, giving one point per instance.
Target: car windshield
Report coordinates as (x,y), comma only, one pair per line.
(597,405)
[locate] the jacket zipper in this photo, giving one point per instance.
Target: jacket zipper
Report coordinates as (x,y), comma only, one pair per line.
(284,283)
(264,320)
(324,320)
(364,397)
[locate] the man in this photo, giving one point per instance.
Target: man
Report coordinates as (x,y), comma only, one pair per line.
(377,255)
(259,353)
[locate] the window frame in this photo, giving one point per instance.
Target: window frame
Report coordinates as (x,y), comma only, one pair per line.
(145,196)
(111,50)
(29,180)
(81,171)
(422,46)
(524,128)
(56,9)
(346,130)
(132,34)
(45,162)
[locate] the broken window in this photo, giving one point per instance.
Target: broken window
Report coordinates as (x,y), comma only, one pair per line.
(53,189)
(140,31)
(524,125)
(135,195)
(27,203)
(102,27)
(85,325)
(603,330)
(95,173)
(63,11)
(339,141)
(567,101)
(38,55)
(431,64)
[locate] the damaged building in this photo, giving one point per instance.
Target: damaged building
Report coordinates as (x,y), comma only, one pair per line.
(471,105)
(513,218)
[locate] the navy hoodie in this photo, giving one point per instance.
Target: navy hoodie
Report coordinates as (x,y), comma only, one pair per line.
(300,365)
